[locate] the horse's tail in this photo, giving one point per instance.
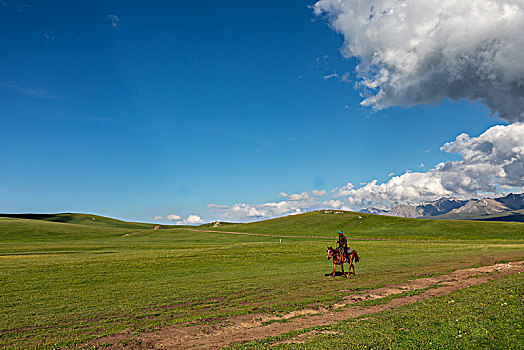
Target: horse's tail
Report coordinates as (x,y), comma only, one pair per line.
(357,259)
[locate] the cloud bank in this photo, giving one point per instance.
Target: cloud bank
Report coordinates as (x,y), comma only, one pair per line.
(416,52)
(491,162)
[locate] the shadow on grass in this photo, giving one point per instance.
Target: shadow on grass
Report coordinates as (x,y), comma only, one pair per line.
(337,273)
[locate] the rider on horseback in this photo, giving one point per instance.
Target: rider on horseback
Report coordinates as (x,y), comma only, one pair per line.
(343,244)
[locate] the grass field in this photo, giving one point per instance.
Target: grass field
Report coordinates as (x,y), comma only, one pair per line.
(488,316)
(66,283)
(82,219)
(359,225)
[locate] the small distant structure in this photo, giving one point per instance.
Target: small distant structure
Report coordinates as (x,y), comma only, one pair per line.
(333,212)
(217,223)
(93,219)
(360,217)
(156,227)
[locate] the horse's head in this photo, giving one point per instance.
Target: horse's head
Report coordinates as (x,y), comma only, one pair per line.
(329,252)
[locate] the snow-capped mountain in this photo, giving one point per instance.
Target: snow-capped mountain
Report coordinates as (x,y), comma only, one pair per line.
(477,208)
(453,208)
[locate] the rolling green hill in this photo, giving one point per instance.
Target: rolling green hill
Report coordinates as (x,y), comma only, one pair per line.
(220,223)
(323,223)
(27,230)
(67,226)
(82,219)
(326,223)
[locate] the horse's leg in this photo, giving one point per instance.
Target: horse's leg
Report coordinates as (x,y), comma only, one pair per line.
(334,269)
(353,266)
(342,266)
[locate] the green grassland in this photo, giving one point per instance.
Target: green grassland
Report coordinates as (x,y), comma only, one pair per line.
(359,225)
(488,316)
(82,219)
(26,230)
(66,283)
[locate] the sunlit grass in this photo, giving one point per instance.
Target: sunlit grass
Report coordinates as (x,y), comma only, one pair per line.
(486,316)
(320,223)
(63,284)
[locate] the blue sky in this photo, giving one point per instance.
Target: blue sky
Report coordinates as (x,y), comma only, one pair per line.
(142,109)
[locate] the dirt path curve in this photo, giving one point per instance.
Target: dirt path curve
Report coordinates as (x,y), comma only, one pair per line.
(255,326)
(289,236)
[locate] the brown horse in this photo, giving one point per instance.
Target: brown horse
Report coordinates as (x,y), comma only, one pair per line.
(340,259)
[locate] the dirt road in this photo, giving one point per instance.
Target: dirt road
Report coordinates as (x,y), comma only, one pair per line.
(257,326)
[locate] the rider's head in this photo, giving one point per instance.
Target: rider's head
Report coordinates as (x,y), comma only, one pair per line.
(339,232)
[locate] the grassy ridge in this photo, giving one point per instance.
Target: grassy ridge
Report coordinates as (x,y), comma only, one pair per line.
(318,223)
(26,230)
(361,225)
(66,226)
(82,219)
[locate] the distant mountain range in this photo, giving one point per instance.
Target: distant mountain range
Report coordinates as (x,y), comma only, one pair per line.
(508,208)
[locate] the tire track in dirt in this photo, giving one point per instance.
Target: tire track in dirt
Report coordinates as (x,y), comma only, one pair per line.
(257,326)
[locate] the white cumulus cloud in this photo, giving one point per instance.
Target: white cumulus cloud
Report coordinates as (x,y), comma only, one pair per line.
(497,154)
(318,193)
(415,52)
(173,217)
(294,204)
(298,196)
(489,162)
(342,191)
(493,160)
(192,219)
